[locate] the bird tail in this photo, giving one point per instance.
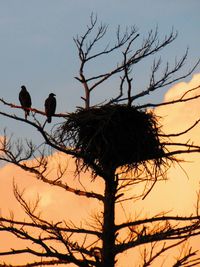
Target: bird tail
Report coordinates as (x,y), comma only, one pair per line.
(49,119)
(27,112)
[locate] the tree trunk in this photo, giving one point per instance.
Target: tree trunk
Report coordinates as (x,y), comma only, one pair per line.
(108,253)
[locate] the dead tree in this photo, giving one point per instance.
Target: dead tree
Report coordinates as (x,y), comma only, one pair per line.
(104,141)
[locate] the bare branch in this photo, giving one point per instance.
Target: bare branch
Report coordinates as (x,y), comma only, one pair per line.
(157,219)
(38,263)
(179,100)
(186,258)
(183,132)
(34,110)
(149,258)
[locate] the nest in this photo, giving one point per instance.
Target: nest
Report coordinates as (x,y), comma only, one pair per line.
(113,135)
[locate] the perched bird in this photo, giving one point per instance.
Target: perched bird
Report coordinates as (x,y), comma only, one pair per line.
(50,106)
(25,100)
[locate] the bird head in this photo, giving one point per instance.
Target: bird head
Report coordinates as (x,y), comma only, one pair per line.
(52,94)
(23,87)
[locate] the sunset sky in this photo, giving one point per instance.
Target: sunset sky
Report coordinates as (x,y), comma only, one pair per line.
(37,50)
(177,195)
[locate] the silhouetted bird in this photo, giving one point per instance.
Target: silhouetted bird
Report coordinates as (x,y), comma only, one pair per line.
(25,100)
(50,106)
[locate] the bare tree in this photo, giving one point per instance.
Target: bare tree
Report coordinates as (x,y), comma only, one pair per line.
(103,139)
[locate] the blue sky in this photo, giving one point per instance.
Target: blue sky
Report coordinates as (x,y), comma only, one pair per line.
(37,47)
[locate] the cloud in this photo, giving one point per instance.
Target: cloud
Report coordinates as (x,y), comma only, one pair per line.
(55,204)
(183,177)
(176,195)
(178,118)
(181,115)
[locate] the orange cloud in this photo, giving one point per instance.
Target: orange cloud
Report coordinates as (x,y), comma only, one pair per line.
(177,118)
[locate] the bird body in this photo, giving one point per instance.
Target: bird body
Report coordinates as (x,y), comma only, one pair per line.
(50,106)
(25,100)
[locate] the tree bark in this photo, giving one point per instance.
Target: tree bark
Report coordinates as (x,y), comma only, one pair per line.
(108,252)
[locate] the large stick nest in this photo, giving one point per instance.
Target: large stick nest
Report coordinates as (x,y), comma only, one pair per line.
(113,135)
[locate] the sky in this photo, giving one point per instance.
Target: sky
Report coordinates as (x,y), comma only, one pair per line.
(37,47)
(37,50)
